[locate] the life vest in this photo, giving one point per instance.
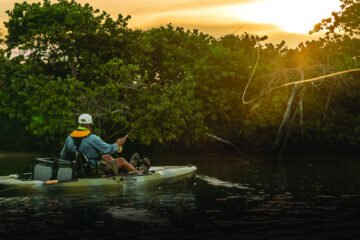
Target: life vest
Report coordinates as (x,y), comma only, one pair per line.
(80,132)
(78,135)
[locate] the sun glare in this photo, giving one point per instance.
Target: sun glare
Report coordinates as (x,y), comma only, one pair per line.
(289,15)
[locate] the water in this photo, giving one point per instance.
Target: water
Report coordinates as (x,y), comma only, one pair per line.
(232,198)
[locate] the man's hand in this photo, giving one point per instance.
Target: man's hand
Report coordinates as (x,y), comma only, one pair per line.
(121,141)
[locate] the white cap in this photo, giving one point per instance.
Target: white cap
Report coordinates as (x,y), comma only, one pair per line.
(85,118)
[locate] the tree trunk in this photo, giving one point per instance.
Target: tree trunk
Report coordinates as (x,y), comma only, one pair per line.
(73,69)
(288,117)
(328,99)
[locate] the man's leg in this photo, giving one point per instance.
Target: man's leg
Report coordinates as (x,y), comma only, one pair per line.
(122,163)
(111,163)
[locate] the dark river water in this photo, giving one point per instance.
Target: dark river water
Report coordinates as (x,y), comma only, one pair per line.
(308,197)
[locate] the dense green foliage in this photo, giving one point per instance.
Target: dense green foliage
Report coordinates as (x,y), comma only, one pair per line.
(168,85)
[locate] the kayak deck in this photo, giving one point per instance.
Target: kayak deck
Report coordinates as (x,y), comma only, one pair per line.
(158,176)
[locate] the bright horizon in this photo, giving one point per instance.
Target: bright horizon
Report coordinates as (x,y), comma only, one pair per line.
(288,20)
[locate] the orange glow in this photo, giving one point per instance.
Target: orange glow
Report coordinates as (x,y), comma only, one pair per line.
(288,20)
(290,16)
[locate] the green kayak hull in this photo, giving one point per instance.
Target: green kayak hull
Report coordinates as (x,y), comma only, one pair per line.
(158,176)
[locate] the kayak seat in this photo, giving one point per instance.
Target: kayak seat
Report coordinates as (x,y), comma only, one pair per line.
(81,165)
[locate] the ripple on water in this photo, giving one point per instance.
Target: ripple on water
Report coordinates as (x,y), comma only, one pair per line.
(136,215)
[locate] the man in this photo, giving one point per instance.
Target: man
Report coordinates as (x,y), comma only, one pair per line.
(91,145)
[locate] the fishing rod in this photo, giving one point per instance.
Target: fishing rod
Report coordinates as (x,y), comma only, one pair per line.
(244,92)
(200,63)
(142,117)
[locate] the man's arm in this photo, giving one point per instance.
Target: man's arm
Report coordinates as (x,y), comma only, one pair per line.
(68,147)
(102,146)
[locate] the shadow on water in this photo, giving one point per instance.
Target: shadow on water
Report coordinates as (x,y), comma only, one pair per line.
(306,197)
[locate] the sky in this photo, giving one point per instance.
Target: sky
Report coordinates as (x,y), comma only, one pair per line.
(288,20)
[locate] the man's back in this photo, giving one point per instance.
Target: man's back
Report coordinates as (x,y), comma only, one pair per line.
(92,146)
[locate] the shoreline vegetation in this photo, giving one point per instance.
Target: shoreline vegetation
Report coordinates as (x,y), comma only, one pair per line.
(170,88)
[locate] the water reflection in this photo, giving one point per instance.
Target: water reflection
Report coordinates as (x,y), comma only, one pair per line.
(221,183)
(92,212)
(136,215)
(303,198)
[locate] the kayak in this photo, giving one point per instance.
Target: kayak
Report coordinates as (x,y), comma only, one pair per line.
(158,176)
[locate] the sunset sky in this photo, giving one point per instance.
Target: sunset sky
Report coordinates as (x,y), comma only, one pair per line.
(288,20)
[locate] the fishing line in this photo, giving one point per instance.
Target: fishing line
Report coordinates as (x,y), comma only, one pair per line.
(251,76)
(287,84)
(224,141)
